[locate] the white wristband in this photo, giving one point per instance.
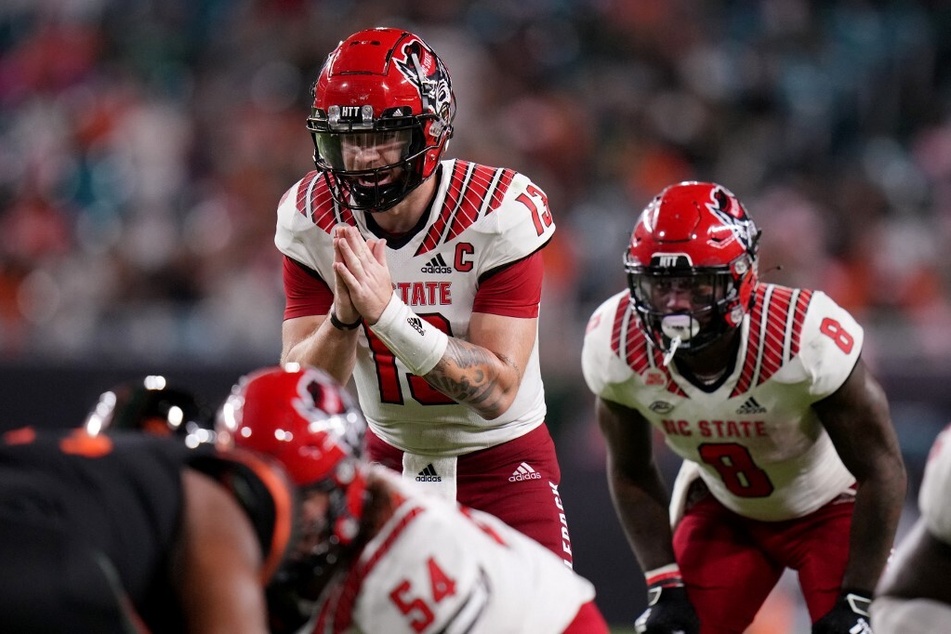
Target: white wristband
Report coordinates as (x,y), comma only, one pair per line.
(414,341)
(668,575)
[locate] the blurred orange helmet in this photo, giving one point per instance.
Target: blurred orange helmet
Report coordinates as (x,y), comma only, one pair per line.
(152,405)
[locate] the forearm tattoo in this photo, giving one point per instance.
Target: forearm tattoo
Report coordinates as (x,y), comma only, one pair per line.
(464,375)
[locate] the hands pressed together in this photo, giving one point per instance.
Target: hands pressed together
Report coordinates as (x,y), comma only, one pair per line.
(362,283)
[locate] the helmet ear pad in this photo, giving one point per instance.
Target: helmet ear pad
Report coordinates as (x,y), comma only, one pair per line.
(746,287)
(440,135)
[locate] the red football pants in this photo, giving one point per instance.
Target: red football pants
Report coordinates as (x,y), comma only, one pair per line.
(485,482)
(730,564)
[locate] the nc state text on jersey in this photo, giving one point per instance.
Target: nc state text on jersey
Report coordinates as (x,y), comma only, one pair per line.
(716,428)
(424,293)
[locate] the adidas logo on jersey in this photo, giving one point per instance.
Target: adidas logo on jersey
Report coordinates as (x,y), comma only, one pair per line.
(437,265)
(524,472)
(751,406)
(428,474)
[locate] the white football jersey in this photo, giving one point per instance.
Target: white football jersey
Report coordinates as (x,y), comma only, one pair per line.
(758,443)
(918,615)
(437,567)
(891,615)
(935,484)
(482,218)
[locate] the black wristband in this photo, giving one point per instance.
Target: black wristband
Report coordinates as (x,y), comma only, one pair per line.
(339,325)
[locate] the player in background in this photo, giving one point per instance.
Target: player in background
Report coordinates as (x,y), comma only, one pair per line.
(152,405)
(421,279)
(379,554)
(789,456)
(913,596)
(128,532)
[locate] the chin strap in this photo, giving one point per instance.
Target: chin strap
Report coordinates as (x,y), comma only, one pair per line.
(674,344)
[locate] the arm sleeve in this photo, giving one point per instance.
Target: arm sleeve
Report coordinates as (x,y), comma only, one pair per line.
(305,292)
(512,291)
(263,492)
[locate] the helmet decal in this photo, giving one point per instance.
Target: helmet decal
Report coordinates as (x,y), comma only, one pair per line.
(420,66)
(727,209)
(315,401)
(671,260)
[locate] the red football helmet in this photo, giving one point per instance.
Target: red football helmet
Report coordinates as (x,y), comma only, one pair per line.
(306,421)
(300,416)
(692,265)
(381,118)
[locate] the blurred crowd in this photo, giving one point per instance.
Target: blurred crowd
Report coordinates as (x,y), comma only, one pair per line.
(144,146)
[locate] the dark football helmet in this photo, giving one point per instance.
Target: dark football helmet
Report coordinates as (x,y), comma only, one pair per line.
(692,266)
(381,118)
(151,405)
(304,419)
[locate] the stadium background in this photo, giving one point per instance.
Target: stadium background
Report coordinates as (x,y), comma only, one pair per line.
(144,145)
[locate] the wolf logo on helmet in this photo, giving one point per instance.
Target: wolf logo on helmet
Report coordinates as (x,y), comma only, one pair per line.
(315,399)
(424,70)
(730,211)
